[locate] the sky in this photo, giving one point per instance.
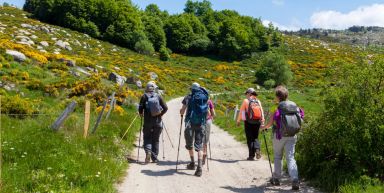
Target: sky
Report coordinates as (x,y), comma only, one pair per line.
(288,14)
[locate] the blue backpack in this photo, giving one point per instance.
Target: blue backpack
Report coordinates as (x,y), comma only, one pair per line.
(198,107)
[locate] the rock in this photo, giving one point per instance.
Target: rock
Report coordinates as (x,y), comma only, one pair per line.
(34,37)
(44,51)
(116,68)
(99,67)
(131,80)
(83,71)
(69,48)
(7,88)
(39,47)
(91,69)
(139,84)
(76,74)
(153,75)
(117,78)
(54,39)
(24,25)
(56,52)
(45,29)
(44,43)
(18,56)
(71,63)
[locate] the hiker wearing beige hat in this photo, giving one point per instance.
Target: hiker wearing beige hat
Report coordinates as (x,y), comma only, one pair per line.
(251,113)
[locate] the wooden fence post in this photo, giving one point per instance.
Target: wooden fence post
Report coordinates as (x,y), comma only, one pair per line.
(60,120)
(99,117)
(112,98)
(87,117)
(236,112)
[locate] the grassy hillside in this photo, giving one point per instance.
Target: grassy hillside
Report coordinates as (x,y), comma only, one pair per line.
(63,65)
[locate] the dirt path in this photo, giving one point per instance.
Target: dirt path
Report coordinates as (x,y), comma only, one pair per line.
(228,169)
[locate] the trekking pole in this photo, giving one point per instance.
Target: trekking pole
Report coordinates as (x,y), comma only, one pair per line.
(162,136)
(178,149)
(166,131)
(138,148)
(130,125)
(266,147)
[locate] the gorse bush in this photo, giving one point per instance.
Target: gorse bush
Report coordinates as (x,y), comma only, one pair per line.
(18,107)
(346,141)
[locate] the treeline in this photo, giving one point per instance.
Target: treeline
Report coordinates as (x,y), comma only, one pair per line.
(199,30)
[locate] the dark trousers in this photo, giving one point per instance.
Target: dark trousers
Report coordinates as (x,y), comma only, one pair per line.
(252,135)
(151,140)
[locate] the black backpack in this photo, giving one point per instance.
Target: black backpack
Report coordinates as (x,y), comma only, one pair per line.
(290,117)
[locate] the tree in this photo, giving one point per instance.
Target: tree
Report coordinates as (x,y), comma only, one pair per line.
(154,31)
(197,8)
(274,67)
(179,34)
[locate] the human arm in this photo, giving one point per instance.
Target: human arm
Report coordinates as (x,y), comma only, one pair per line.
(142,106)
(241,115)
(164,106)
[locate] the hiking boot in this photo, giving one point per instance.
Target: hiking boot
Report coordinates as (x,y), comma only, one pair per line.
(275,181)
(191,166)
(295,184)
(258,154)
(204,158)
(147,158)
(155,160)
(198,172)
(250,158)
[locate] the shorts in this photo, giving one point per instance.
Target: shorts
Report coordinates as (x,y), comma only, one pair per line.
(194,137)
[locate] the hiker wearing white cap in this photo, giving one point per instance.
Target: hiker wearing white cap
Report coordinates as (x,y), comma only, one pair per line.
(196,106)
(152,107)
(251,112)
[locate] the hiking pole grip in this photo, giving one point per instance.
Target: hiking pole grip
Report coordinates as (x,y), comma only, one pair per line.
(178,149)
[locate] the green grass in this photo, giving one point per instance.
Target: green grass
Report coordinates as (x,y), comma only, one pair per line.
(37,159)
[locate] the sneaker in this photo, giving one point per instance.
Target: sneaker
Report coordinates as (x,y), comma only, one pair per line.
(275,181)
(147,158)
(198,172)
(258,154)
(204,158)
(250,158)
(191,166)
(295,184)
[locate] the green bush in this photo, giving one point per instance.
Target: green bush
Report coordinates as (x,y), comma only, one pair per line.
(144,47)
(269,84)
(164,54)
(274,67)
(346,141)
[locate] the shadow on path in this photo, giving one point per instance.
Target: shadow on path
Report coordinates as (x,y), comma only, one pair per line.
(253,189)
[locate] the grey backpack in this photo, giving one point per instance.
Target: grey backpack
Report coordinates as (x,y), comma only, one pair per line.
(290,118)
(153,104)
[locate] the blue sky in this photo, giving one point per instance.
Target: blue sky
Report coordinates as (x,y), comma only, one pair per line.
(289,14)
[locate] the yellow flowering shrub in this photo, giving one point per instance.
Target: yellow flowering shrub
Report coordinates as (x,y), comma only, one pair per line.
(117,109)
(220,80)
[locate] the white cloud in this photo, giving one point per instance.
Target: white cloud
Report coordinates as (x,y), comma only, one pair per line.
(372,15)
(294,26)
(278,2)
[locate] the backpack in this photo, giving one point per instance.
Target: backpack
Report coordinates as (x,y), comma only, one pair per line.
(290,118)
(253,115)
(153,104)
(198,106)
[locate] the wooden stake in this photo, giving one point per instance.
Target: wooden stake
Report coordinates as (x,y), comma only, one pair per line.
(87,117)
(60,120)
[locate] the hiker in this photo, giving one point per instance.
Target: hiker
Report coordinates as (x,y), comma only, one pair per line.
(210,115)
(195,104)
(287,118)
(152,107)
(251,112)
